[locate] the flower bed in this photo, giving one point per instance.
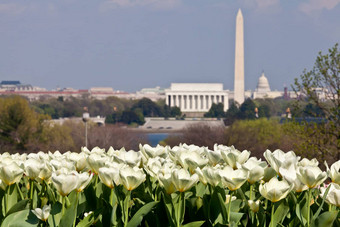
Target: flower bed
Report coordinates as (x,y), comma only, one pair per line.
(184,185)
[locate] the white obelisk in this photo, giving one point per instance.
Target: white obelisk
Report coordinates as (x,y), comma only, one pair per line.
(239,60)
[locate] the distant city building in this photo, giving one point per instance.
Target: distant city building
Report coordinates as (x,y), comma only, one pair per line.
(154,94)
(15,85)
(194,99)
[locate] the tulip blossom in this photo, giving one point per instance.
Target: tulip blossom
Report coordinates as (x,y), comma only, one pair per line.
(152,152)
(165,181)
(227,199)
(210,175)
(233,179)
(79,159)
(96,161)
(10,173)
(65,183)
(43,213)
(307,162)
(83,180)
(256,169)
(289,174)
(254,205)
(131,158)
(131,178)
(311,176)
(182,179)
(33,168)
(109,176)
(232,156)
(334,172)
(275,190)
(333,196)
(279,158)
(215,157)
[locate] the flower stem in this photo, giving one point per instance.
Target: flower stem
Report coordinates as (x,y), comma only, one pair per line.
(75,218)
(127,203)
(272,216)
(181,210)
(308,206)
(111,197)
(250,191)
(63,206)
(31,190)
(229,205)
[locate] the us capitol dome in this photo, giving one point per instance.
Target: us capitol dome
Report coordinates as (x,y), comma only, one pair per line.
(262,84)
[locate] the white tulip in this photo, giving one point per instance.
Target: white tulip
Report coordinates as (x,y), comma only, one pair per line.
(275,190)
(279,158)
(165,181)
(182,179)
(65,183)
(256,169)
(83,180)
(152,152)
(215,157)
(79,159)
(333,196)
(227,199)
(254,205)
(109,176)
(233,179)
(32,168)
(191,159)
(311,176)
(43,213)
(131,178)
(232,156)
(11,173)
(96,161)
(334,172)
(307,162)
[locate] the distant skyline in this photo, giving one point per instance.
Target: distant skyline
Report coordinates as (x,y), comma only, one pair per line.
(133,44)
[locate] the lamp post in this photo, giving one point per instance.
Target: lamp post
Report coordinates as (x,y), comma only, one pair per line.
(86,118)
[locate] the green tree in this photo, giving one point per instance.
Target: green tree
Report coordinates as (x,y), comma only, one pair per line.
(148,107)
(232,114)
(247,109)
(18,123)
(216,110)
(321,87)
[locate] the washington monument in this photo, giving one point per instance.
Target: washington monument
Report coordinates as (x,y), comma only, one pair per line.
(239,60)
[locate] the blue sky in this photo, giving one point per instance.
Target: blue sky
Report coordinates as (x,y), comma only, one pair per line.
(133,44)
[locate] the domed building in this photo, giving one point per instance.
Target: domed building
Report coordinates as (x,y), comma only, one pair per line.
(263,89)
(262,84)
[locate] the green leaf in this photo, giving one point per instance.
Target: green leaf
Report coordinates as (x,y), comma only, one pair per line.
(281,212)
(23,218)
(69,216)
(316,215)
(138,217)
(21,205)
(325,219)
(194,224)
(11,197)
(55,214)
(235,217)
(223,209)
(301,211)
(87,221)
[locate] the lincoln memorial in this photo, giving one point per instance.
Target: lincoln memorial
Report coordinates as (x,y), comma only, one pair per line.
(195,99)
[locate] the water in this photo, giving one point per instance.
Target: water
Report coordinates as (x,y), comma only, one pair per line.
(155,138)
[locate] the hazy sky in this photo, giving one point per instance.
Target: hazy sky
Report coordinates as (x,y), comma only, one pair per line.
(133,44)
